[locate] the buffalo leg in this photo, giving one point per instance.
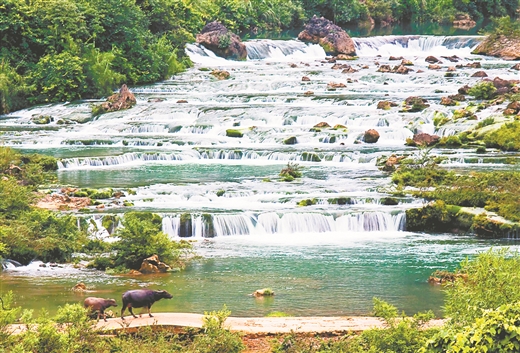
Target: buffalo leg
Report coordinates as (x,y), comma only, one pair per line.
(149,313)
(131,311)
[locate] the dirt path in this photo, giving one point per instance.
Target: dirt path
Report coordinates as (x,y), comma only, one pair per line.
(255,325)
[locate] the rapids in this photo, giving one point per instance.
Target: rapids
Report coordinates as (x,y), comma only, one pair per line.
(323,259)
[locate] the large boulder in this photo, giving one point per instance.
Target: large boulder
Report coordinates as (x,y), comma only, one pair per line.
(331,37)
(507,48)
(371,136)
(153,265)
(118,101)
(217,38)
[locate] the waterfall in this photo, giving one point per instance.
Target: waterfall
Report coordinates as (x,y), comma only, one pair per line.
(287,223)
(416,45)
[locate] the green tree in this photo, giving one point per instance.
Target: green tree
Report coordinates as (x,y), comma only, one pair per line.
(141,237)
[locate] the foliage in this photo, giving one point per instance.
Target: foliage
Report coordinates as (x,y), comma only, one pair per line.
(403,334)
(498,330)
(421,170)
(216,338)
(505,138)
(338,11)
(434,217)
(13,89)
(483,90)
(141,237)
(492,279)
(291,172)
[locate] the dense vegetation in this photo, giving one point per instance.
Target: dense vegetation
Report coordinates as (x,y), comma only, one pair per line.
(62,50)
(28,232)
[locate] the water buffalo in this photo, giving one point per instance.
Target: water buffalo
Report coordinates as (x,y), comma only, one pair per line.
(99,305)
(140,298)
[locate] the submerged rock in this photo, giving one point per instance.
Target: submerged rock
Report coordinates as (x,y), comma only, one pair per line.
(331,37)
(217,38)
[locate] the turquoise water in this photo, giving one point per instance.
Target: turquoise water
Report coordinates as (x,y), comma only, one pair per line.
(173,158)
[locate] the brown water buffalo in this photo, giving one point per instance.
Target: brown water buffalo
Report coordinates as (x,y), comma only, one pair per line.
(99,305)
(140,298)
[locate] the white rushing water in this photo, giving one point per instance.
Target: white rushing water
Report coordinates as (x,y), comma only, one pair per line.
(177,158)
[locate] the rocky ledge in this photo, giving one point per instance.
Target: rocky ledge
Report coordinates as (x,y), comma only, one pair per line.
(331,37)
(507,48)
(217,38)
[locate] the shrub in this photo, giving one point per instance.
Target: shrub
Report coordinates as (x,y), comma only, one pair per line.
(498,330)
(403,334)
(216,338)
(291,172)
(141,237)
(492,281)
(505,138)
(483,90)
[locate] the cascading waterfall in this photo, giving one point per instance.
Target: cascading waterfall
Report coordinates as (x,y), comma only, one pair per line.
(287,223)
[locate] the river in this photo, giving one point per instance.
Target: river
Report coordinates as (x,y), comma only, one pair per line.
(322,259)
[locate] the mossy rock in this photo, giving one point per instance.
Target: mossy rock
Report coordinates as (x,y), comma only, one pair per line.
(42,119)
(340,201)
(234,133)
(290,141)
(310,157)
(389,201)
(209,228)
(307,202)
(186,226)
(220,192)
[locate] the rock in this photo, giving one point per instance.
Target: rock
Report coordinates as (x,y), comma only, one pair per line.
(331,86)
(479,74)
(432,59)
(447,101)
(457,97)
(394,58)
(153,265)
(389,164)
(434,67)
(406,62)
(501,83)
(401,69)
(345,57)
(134,273)
(474,65)
(80,287)
(424,139)
(384,68)
(217,38)
(415,104)
(386,105)
(371,136)
(305,79)
(348,70)
(507,48)
(451,69)
(290,141)
(266,292)
(42,119)
(463,21)
(220,74)
(308,93)
(118,101)
(464,90)
(322,125)
(516,67)
(512,108)
(182,101)
(453,58)
(331,37)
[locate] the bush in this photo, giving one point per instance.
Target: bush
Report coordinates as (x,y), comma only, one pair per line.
(505,138)
(492,281)
(291,172)
(483,90)
(141,237)
(403,334)
(216,338)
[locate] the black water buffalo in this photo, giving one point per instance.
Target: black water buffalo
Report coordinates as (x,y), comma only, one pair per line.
(99,305)
(140,298)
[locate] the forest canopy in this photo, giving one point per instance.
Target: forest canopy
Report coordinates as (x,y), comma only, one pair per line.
(62,50)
